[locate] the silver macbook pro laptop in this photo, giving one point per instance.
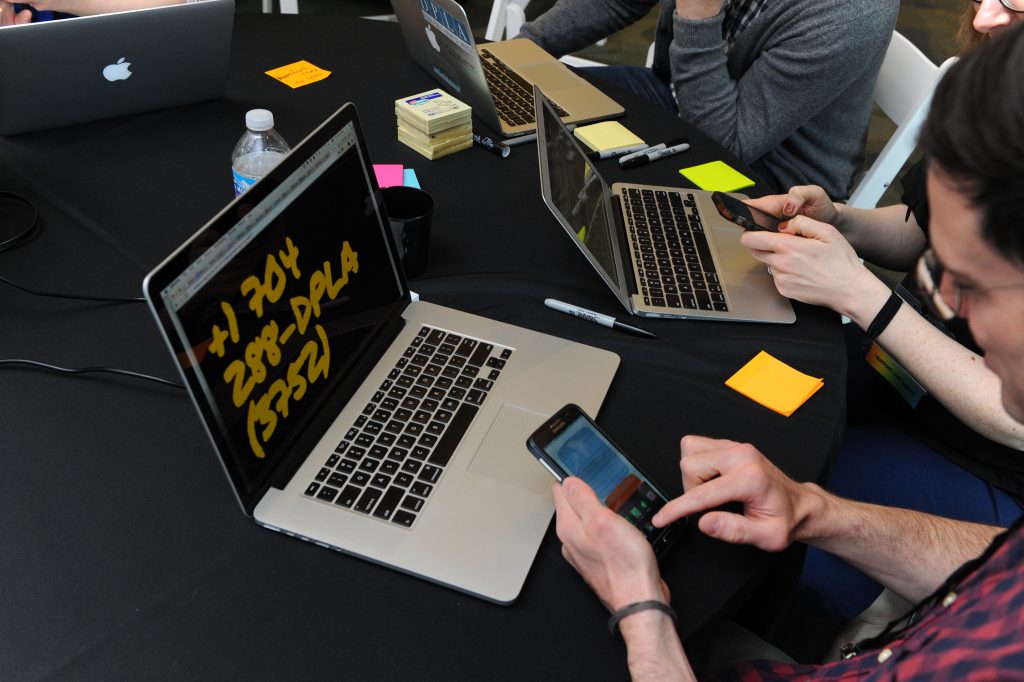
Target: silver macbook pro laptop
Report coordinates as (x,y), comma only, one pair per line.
(495,79)
(344,412)
(663,251)
(57,73)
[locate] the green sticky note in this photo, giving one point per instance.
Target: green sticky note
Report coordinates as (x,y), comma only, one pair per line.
(717,176)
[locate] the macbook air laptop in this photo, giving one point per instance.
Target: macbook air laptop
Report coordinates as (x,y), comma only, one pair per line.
(495,79)
(57,73)
(346,413)
(663,251)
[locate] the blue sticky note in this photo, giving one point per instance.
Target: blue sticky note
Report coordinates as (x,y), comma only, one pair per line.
(409,178)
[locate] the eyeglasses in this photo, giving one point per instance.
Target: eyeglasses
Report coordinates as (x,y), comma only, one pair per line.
(944,295)
(1012,5)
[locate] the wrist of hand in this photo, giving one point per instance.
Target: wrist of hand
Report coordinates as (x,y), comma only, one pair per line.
(864,298)
(812,513)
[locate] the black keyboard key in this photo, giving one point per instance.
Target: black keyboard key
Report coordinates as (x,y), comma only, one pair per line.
(348,496)
(355,453)
(430,474)
(451,438)
(412,503)
(347,465)
(379,451)
(406,441)
(435,428)
(312,488)
(483,350)
(342,447)
(476,397)
(332,460)
(389,503)
(327,494)
(428,440)
(421,489)
(337,479)
(419,453)
(411,467)
(506,354)
(398,454)
(403,480)
(389,467)
(367,500)
(322,475)
(381,481)
(403,518)
(369,465)
(359,478)
(386,439)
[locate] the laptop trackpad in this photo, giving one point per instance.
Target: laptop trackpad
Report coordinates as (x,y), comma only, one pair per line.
(503,457)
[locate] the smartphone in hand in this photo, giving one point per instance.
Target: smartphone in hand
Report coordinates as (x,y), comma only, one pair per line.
(744,215)
(571,444)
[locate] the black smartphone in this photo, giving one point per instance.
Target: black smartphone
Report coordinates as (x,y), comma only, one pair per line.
(744,215)
(571,444)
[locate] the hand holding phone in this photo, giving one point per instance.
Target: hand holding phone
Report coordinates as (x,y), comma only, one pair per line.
(744,215)
(571,444)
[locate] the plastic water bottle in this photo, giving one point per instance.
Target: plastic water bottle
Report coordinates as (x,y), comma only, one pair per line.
(258,151)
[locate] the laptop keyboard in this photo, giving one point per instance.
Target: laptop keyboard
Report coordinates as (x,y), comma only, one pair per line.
(395,454)
(513,95)
(671,256)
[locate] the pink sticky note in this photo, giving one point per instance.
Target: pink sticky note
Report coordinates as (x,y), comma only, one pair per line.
(388,174)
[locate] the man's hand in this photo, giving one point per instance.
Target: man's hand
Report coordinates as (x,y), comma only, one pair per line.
(719,471)
(612,556)
(8,17)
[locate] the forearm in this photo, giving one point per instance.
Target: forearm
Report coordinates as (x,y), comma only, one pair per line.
(909,552)
(882,236)
(653,648)
(85,7)
(571,25)
(953,374)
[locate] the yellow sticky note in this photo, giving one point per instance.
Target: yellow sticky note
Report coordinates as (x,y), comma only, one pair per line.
(299,73)
(606,135)
(717,176)
(774,384)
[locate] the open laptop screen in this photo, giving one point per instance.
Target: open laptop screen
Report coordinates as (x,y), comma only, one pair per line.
(278,297)
(577,194)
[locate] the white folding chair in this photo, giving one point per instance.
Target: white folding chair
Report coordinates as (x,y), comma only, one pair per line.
(507,17)
(903,93)
(287,6)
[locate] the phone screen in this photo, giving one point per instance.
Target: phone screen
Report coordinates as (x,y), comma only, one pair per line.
(581,450)
(744,215)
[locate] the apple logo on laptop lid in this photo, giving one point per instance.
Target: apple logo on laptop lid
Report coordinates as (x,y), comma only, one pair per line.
(118,71)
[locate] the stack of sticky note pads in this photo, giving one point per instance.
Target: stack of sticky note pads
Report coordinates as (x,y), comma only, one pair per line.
(607,136)
(434,123)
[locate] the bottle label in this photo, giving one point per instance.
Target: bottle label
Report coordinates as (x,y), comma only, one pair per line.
(242,182)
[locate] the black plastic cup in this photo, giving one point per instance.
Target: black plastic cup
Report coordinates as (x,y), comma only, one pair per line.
(409,211)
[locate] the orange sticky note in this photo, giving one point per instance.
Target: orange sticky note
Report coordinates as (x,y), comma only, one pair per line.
(299,73)
(774,384)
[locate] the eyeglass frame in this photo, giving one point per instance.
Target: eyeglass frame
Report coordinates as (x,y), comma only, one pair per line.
(928,273)
(1004,3)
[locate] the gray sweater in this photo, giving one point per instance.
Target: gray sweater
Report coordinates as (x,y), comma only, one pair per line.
(793,96)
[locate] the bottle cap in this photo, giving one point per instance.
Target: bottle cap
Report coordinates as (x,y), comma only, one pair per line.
(259,120)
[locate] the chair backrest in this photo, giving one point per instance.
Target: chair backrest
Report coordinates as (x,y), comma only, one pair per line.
(507,17)
(903,93)
(287,6)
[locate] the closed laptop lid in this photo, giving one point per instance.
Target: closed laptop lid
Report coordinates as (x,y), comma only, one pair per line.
(93,67)
(273,309)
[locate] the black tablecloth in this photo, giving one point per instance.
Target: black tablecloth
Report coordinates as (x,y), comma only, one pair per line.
(123,554)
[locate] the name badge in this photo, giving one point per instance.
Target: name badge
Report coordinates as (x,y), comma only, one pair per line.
(893,372)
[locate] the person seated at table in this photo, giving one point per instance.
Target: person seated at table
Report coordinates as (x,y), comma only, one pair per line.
(46,10)
(773,82)
(956,453)
(967,578)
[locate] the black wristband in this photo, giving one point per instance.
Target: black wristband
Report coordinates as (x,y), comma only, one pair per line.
(637,607)
(882,319)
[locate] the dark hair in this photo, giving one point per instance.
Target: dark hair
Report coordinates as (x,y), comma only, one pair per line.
(975,136)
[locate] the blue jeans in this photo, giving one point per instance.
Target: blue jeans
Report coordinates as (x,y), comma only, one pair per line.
(639,80)
(880,464)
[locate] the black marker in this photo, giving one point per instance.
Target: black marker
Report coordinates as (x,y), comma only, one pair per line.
(492,145)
